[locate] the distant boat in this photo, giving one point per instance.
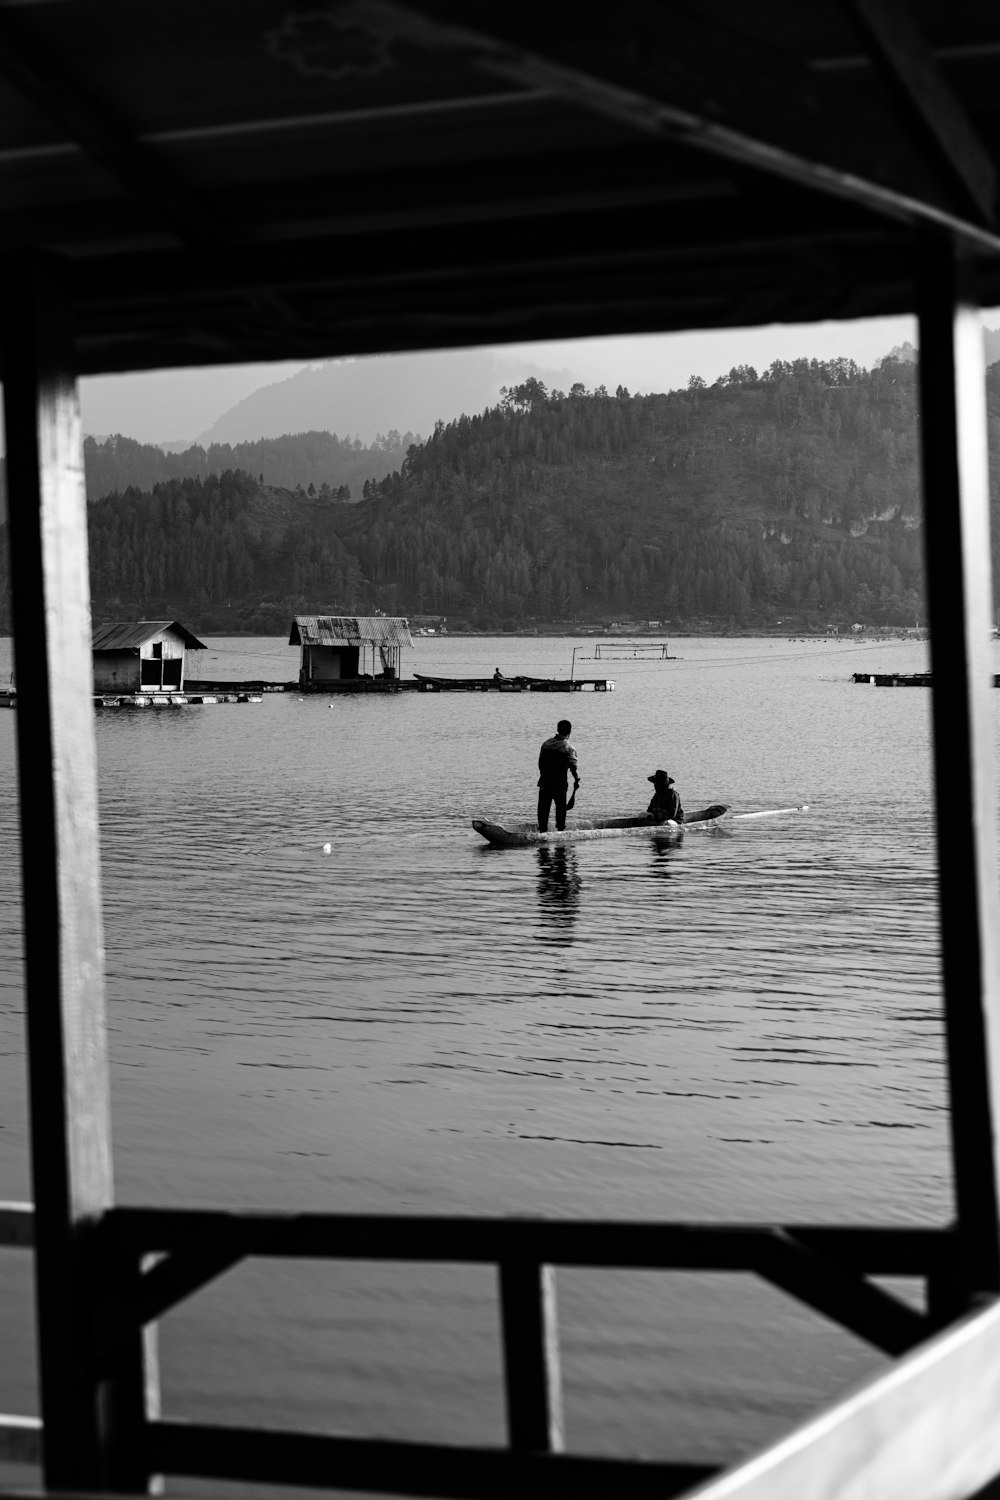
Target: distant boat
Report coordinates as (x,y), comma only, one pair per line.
(465,682)
(496,684)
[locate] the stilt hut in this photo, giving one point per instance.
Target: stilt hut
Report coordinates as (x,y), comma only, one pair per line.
(338,180)
(136,656)
(335,647)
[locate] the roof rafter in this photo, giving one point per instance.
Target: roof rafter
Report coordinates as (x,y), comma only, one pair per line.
(490,282)
(907,62)
(664,71)
(359,201)
(141,173)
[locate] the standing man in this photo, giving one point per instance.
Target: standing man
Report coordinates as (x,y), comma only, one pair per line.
(556,761)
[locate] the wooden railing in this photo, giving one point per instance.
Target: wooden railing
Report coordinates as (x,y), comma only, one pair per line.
(153,1259)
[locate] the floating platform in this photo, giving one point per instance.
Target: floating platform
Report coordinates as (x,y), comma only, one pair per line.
(512,684)
(231,693)
(171,700)
(416,684)
(351,685)
(201,692)
(903,679)
(203,685)
(340,685)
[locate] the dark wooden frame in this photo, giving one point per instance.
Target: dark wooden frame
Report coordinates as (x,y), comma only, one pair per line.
(158,1257)
(98,1291)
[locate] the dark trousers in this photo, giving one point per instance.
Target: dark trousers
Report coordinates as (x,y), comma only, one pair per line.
(546,796)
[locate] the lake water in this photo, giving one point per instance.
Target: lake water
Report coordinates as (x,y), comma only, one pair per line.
(743,1027)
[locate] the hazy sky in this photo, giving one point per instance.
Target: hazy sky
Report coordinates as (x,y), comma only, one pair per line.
(169,405)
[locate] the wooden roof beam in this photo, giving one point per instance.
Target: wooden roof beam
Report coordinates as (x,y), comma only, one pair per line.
(666,72)
(914,76)
(479,284)
(140,173)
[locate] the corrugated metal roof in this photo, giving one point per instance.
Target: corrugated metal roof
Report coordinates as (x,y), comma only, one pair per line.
(119,635)
(349,630)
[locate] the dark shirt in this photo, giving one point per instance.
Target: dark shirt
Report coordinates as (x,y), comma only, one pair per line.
(556,760)
(665,804)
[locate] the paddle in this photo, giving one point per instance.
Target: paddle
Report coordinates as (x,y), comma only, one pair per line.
(773,812)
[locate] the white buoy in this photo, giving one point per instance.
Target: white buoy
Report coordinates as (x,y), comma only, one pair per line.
(327,848)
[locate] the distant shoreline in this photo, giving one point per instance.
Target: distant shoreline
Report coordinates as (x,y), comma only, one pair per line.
(873,633)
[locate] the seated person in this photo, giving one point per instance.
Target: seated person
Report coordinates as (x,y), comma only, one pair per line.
(664,803)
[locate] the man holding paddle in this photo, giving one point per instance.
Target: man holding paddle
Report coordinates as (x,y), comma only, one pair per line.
(556,761)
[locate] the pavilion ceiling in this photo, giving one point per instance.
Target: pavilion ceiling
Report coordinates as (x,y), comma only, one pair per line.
(246,179)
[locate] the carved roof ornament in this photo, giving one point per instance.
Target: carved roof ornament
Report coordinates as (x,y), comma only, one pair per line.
(330,43)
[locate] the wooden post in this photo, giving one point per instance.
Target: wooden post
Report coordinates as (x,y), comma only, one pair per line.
(531,1356)
(959,595)
(63,933)
(131,1390)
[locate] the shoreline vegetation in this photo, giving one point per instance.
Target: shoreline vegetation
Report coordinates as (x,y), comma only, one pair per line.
(784,503)
(710,632)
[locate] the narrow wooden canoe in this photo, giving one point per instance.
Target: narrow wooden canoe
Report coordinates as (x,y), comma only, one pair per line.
(521,835)
(474,684)
(465,684)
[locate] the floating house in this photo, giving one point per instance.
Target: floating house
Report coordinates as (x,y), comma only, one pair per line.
(141,656)
(335,647)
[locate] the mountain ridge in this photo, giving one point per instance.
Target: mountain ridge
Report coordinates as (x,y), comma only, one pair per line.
(790,495)
(351,397)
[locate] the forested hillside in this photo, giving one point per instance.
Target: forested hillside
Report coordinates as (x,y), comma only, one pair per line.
(792,496)
(792,493)
(222,553)
(322,459)
(330,464)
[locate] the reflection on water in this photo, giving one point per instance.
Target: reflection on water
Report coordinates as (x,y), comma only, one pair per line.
(664,850)
(411,1023)
(559,886)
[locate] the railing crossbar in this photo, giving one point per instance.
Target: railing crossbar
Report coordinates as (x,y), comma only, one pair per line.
(172,1253)
(625,1245)
(466,1473)
(20,1439)
(17,1226)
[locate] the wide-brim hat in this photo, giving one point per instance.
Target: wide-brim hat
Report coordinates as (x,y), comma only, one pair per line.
(661,776)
